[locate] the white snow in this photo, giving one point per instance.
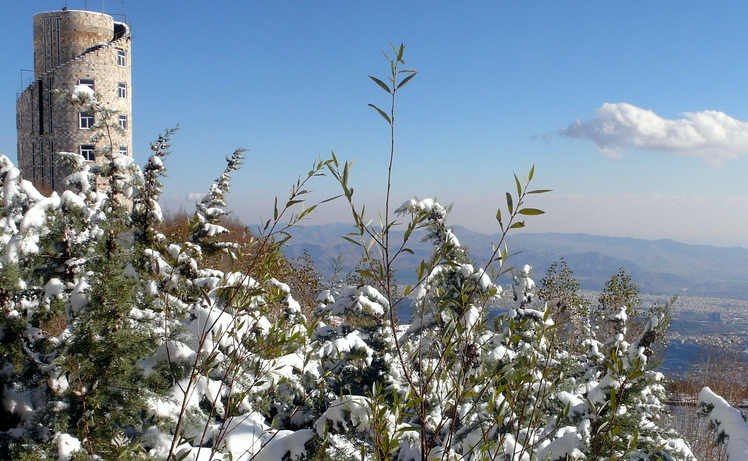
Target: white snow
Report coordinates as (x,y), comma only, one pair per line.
(348,411)
(286,443)
(69,198)
(729,422)
(78,298)
(83,92)
(245,435)
(18,401)
(122,162)
(619,316)
(427,205)
(566,447)
(333,350)
(54,288)
(66,445)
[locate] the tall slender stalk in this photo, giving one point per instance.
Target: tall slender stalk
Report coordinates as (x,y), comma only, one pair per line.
(391,89)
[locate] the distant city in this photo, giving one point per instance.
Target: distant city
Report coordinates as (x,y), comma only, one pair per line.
(703,326)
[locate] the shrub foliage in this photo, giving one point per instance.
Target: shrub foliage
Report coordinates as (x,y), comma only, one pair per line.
(124,340)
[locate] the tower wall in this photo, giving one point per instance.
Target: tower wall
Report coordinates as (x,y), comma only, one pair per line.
(60,36)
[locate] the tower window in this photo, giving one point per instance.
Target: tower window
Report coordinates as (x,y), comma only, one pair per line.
(50,104)
(122,90)
(121,57)
(89,82)
(88,151)
(52,164)
(123,121)
(86,120)
(123,150)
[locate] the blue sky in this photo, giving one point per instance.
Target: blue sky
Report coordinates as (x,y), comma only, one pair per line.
(632,112)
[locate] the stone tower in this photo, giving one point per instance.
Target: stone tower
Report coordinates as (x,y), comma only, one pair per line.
(72,48)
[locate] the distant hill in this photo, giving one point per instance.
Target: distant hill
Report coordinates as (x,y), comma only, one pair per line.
(657,266)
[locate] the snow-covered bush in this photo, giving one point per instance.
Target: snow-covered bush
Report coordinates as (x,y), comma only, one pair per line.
(461,386)
(730,426)
(118,342)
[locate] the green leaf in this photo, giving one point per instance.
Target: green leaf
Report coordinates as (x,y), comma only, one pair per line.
(498,215)
(351,240)
(506,271)
(382,84)
(540,191)
(331,199)
(531,174)
(408,429)
(530,211)
(421,270)
(509,203)
(634,440)
(345,175)
(366,273)
(406,80)
(382,113)
(308,210)
(519,186)
(517,225)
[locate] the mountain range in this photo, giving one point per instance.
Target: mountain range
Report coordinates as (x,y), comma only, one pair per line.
(657,266)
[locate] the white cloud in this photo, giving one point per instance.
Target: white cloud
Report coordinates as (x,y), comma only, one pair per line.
(710,135)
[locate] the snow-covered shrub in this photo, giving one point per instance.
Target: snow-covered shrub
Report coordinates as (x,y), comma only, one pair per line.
(116,340)
(119,342)
(461,386)
(729,424)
